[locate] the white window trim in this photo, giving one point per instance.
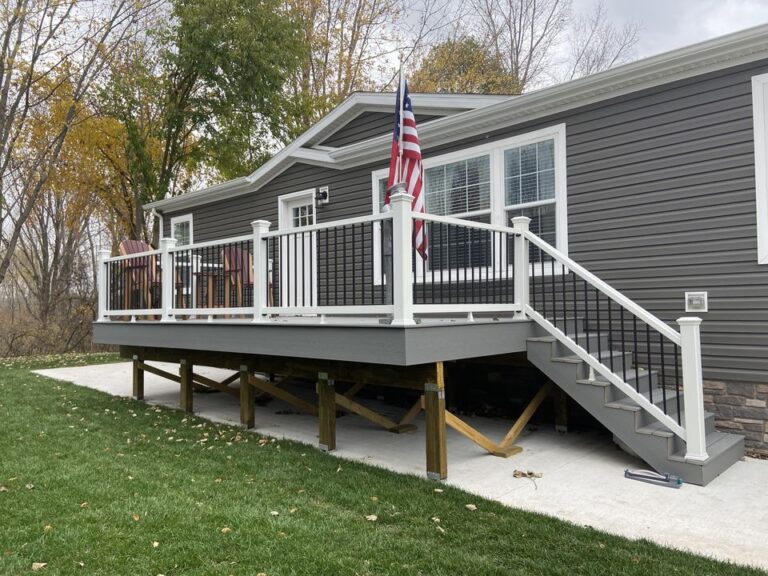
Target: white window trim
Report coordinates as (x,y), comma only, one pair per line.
(760,124)
(283,214)
(497,204)
(181,219)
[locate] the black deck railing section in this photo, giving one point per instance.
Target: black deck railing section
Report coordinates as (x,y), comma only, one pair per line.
(134,283)
(464,265)
(215,275)
(344,265)
(631,348)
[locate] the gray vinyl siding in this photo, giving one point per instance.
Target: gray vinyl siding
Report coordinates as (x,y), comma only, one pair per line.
(661,200)
(367,125)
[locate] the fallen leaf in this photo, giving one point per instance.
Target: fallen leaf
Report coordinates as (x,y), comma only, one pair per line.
(30,486)
(292,510)
(471,507)
(441,529)
(600,545)
(439,490)
(375,498)
(47,528)
(38,565)
(282,535)
(435,519)
(275,513)
(371,517)
(526,474)
(83,504)
(155,544)
(226,530)
(136,517)
(3,488)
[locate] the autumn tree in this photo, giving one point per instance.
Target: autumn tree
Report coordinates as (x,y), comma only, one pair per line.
(40,38)
(201,93)
(462,66)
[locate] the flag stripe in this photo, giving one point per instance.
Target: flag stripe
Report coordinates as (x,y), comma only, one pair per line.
(411,172)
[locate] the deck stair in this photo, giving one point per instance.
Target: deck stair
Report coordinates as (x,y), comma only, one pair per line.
(631,424)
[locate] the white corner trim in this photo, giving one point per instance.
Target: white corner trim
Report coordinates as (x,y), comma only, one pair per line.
(760,123)
(184,218)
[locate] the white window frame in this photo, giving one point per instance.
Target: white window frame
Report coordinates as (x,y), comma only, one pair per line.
(498,210)
(181,219)
(760,124)
(283,214)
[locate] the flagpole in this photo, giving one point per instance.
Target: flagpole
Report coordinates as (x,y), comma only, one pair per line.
(401,97)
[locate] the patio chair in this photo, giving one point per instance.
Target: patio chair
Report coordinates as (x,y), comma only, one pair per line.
(140,275)
(238,276)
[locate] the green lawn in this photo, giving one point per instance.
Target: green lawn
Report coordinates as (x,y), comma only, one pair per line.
(93,484)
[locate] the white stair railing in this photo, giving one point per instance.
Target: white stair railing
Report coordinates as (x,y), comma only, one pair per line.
(685,344)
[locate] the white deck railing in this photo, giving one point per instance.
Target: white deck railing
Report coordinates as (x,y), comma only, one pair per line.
(368,267)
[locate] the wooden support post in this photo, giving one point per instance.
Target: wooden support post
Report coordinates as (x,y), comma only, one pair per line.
(326,396)
(138,379)
(434,407)
(561,410)
(185,375)
(247,401)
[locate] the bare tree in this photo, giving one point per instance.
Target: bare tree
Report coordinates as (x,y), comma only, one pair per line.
(356,45)
(522,34)
(44,45)
(596,44)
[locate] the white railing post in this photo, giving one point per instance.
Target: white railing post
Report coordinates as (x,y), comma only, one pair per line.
(402,266)
(102,283)
(693,389)
(168,278)
(520,271)
(260,270)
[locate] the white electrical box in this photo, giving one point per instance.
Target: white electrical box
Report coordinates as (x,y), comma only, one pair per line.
(696,302)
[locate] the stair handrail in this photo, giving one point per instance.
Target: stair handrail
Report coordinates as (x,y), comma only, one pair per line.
(688,340)
(630,305)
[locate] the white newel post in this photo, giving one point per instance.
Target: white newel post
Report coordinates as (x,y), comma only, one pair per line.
(260,271)
(402,237)
(521,272)
(168,278)
(693,389)
(102,283)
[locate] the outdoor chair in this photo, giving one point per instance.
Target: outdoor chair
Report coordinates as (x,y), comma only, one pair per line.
(140,276)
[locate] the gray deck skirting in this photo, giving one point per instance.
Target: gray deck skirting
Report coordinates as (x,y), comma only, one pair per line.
(382,344)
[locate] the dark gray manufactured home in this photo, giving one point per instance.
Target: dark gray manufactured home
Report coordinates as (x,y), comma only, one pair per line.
(612,231)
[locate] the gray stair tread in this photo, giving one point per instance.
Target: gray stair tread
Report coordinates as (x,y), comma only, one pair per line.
(574,359)
(656,429)
(717,444)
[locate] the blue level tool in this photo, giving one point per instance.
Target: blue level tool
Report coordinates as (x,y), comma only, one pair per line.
(651,477)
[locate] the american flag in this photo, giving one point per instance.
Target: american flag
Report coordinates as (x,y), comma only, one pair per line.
(407,168)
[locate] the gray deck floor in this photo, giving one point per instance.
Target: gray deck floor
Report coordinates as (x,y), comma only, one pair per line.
(582,473)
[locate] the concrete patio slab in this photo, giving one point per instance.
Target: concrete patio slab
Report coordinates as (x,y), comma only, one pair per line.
(582,478)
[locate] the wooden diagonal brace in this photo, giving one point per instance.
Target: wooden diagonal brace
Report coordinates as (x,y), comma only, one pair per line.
(159,372)
(375,417)
(220,386)
(266,386)
(479,438)
(525,417)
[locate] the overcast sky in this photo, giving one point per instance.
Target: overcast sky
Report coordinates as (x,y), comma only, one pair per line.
(669,24)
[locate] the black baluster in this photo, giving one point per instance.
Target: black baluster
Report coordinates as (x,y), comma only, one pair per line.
(677,382)
(648,340)
(637,362)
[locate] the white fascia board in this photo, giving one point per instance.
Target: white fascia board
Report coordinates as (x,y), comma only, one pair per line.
(712,55)
(222,190)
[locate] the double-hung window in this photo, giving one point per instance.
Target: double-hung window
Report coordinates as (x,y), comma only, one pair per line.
(492,183)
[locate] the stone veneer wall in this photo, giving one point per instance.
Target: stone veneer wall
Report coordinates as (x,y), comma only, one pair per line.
(742,408)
